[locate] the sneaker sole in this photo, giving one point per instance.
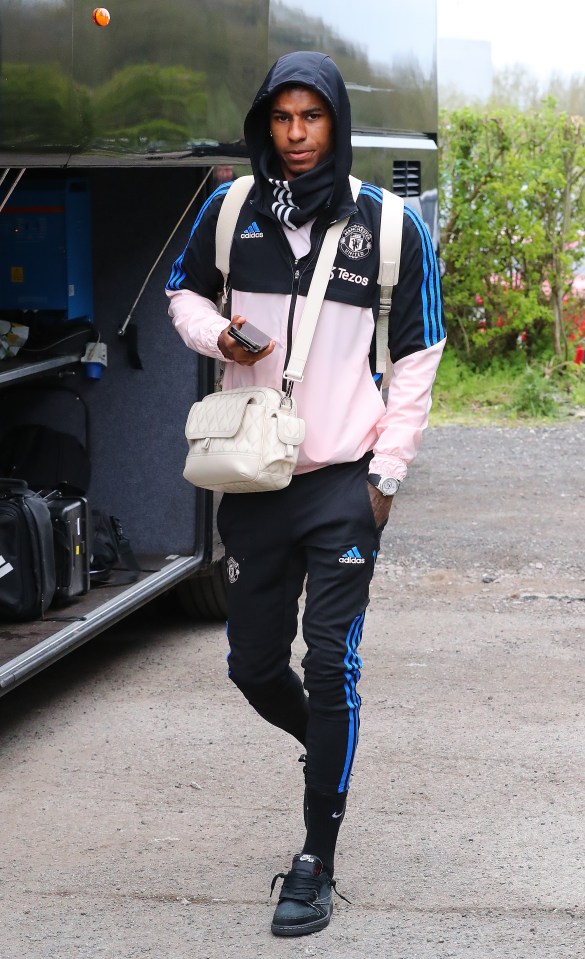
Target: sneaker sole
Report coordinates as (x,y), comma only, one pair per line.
(302,930)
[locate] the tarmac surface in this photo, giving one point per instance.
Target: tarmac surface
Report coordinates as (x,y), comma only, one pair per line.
(145,807)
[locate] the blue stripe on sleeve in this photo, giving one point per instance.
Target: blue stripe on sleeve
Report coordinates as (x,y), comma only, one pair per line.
(373,192)
(431,285)
(177,273)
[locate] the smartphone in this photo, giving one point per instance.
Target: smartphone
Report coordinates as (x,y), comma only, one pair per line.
(250,337)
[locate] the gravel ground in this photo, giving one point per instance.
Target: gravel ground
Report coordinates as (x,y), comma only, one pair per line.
(146,808)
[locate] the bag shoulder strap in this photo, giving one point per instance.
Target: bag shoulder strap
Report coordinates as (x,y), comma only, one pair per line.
(391,225)
(226,224)
(224,234)
(321,275)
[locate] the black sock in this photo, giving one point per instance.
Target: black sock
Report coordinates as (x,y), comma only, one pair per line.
(282,702)
(324,817)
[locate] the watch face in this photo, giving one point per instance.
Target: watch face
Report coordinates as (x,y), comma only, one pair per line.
(389,486)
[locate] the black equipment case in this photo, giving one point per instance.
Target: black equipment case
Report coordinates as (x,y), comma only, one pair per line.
(71,531)
(27,562)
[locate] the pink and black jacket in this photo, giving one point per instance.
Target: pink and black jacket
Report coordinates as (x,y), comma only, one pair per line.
(271,267)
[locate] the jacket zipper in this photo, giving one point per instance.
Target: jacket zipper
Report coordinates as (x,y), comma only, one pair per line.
(297,274)
(291,312)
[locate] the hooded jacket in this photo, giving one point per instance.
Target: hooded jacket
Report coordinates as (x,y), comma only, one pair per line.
(271,267)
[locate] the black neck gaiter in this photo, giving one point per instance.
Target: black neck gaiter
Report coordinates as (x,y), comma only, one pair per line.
(293,202)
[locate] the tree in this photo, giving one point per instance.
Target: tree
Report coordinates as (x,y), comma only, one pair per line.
(555,197)
(512,213)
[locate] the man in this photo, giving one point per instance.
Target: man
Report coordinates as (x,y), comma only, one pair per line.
(326,525)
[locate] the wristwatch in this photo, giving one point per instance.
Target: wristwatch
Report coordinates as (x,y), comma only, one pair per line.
(387,485)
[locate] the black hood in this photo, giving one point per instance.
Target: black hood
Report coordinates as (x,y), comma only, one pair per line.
(318,72)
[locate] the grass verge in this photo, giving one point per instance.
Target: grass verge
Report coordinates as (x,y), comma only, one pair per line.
(507,394)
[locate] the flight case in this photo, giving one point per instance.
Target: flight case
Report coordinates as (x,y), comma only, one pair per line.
(71,535)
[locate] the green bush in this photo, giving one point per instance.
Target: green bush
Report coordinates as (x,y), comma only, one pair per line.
(534,396)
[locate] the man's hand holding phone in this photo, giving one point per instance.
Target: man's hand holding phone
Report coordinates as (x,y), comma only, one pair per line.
(244,343)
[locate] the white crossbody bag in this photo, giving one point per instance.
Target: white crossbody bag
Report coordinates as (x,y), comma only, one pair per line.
(246,440)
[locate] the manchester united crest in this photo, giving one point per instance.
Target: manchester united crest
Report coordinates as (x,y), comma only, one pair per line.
(356,242)
(233,569)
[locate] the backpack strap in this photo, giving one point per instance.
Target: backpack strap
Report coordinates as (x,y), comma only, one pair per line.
(390,247)
(391,223)
(226,224)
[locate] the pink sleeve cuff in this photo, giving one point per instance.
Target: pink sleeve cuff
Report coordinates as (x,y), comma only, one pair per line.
(388,466)
(197,321)
(407,412)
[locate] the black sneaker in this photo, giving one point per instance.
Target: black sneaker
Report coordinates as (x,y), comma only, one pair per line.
(305,902)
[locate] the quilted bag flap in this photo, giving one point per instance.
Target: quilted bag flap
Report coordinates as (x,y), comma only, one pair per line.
(219,414)
(290,428)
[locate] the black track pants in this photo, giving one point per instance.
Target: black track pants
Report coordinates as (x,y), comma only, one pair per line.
(322,527)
